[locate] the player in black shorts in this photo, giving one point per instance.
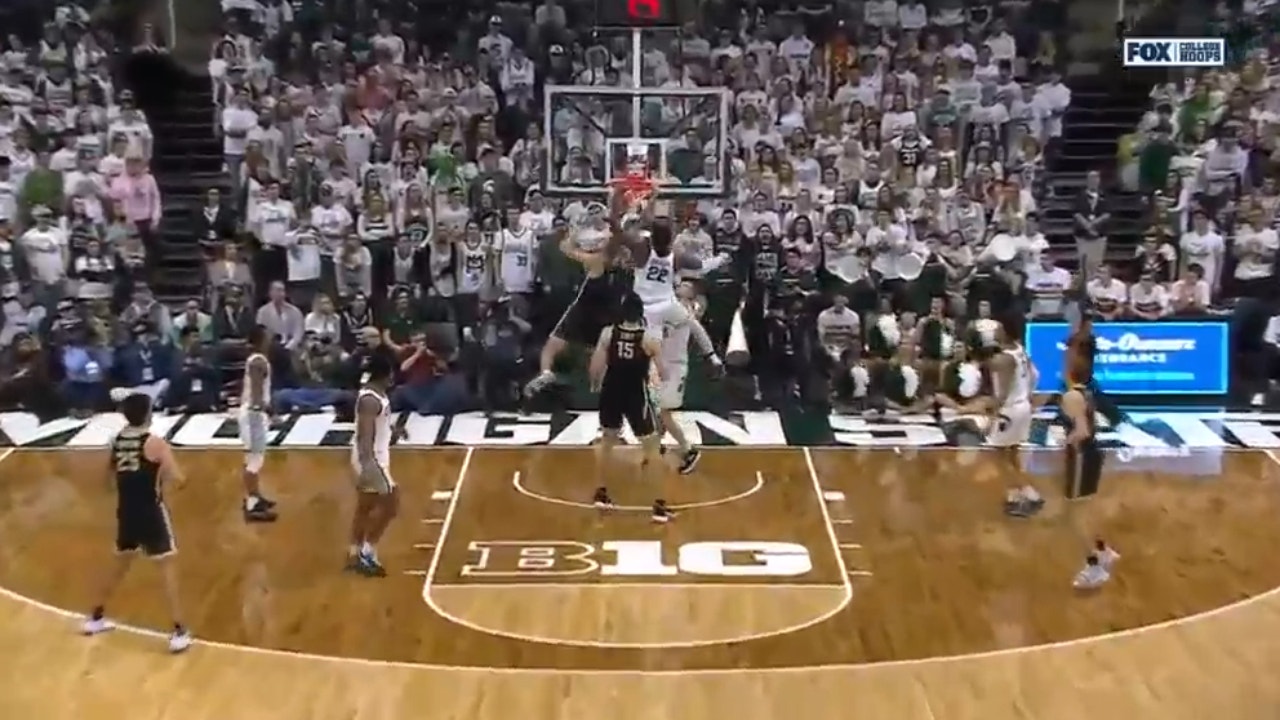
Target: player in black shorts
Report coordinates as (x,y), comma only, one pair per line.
(142,464)
(620,368)
(1084,458)
(596,304)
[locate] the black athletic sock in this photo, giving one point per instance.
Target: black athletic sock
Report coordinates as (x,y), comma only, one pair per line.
(98,613)
(178,629)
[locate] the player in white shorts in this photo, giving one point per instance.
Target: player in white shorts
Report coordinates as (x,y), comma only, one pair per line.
(377,501)
(1014,380)
(255,399)
(673,357)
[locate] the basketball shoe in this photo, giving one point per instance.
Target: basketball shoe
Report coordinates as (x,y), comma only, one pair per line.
(1091,576)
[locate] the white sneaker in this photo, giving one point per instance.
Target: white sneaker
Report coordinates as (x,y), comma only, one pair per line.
(1107,556)
(91,626)
(180,641)
(1258,400)
(1091,576)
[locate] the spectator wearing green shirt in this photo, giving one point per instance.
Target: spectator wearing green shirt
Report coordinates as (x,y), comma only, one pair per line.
(42,186)
(192,317)
(401,322)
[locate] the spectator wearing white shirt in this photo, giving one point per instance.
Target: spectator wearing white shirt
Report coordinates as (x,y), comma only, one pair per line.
(1190,295)
(45,248)
(1048,285)
(236,122)
(1224,166)
(913,15)
(797,49)
(1205,247)
(1002,44)
(880,14)
(1056,99)
(1148,299)
(1255,250)
(387,41)
(495,42)
(133,126)
(1107,295)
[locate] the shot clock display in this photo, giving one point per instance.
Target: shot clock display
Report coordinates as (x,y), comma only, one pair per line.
(636,13)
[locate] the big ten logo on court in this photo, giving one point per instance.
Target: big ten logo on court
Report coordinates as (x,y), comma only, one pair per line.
(1174,52)
(636,559)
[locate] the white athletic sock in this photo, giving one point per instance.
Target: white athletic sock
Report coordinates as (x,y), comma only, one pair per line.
(369,551)
(353,550)
(251,502)
(1030,494)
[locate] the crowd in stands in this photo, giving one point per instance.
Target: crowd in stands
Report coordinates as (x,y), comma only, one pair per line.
(374,160)
(1205,156)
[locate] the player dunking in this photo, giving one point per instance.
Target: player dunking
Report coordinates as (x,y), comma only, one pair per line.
(377,500)
(1014,378)
(620,367)
(255,398)
(596,303)
(142,465)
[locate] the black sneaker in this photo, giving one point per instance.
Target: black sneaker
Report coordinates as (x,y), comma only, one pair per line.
(353,564)
(1020,508)
(539,383)
(260,514)
(660,512)
(267,503)
(690,461)
(601,499)
(370,567)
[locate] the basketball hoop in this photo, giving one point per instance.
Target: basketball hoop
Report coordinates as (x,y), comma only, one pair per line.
(635,184)
(636,188)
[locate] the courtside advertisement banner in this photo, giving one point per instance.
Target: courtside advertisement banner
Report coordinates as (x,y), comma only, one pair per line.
(1135,358)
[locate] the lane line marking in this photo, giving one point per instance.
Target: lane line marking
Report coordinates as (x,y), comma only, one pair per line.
(520,488)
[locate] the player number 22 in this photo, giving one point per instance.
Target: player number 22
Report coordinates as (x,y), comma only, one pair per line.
(656,274)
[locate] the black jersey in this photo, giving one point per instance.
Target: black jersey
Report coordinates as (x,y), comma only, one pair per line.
(628,368)
(767,260)
(910,152)
(137,478)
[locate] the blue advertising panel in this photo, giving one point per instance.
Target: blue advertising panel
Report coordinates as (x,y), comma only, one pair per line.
(1140,358)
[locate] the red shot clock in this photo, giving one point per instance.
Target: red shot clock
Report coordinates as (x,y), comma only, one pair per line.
(636,13)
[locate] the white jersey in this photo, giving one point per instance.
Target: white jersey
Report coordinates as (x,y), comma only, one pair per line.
(1013,425)
(516,266)
(473,262)
(675,345)
(381,432)
(245,400)
(1020,393)
(655,280)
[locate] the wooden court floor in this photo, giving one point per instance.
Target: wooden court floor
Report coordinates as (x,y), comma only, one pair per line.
(832,583)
